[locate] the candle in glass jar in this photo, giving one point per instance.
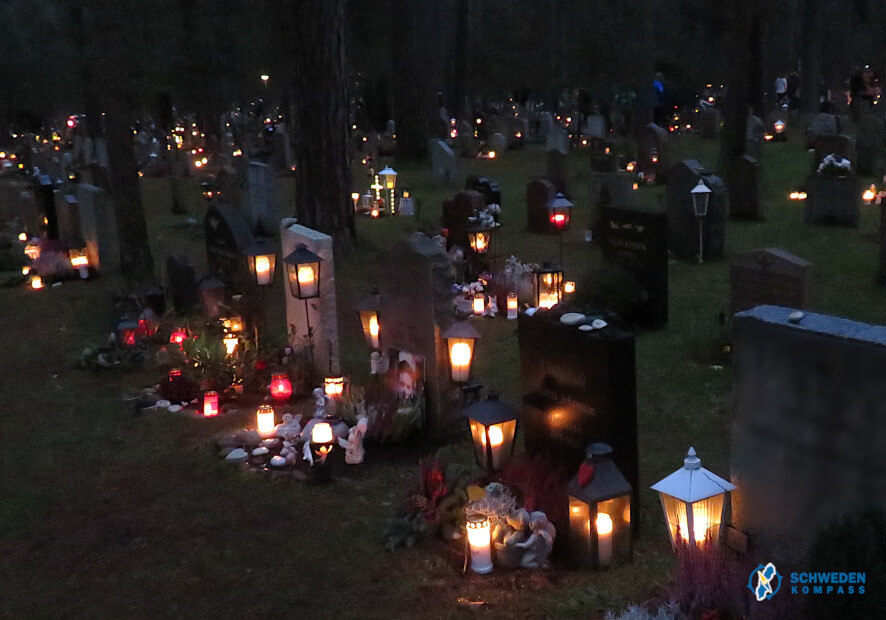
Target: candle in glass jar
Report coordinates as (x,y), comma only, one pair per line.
(480,541)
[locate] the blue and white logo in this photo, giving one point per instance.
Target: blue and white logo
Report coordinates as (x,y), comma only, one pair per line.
(764,582)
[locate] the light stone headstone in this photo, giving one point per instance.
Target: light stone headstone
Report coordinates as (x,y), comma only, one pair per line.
(595,126)
(323,310)
(442,162)
(557,140)
(99,228)
(498,142)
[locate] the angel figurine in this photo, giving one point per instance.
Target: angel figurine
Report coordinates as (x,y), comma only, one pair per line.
(353,445)
(290,428)
(319,403)
(540,542)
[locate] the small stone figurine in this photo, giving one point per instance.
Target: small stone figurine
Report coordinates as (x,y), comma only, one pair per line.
(491,307)
(353,445)
(319,403)
(540,542)
(290,428)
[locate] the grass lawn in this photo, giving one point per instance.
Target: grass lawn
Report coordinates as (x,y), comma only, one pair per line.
(104,514)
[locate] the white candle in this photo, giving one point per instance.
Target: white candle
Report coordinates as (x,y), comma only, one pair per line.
(262,270)
(512,306)
(480,541)
(604,539)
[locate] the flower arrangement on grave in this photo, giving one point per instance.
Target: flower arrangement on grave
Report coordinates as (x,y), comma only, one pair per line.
(435,505)
(835,166)
(391,419)
(516,277)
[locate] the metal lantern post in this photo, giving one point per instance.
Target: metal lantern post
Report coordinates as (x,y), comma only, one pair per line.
(493,427)
(701,195)
(303,267)
(693,500)
(600,530)
(559,216)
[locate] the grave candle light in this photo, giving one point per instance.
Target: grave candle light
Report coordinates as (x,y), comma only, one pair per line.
(600,532)
(36,282)
(693,500)
(126,330)
(493,426)
(334,387)
(869,194)
(233,324)
(513,308)
(367,308)
(178,336)
(230,341)
(548,286)
(264,419)
(479,303)
(389,178)
(210,404)
(148,322)
(322,443)
(262,262)
(460,338)
(304,273)
(80,262)
(480,238)
(480,541)
(280,387)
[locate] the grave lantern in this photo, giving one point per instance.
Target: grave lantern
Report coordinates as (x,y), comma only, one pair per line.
(126,331)
(493,426)
(460,338)
(280,387)
(548,281)
(262,262)
(600,532)
(303,267)
(36,282)
(559,212)
(701,195)
(389,179)
(513,306)
(334,387)
(212,294)
(367,309)
(355,196)
(322,442)
(79,262)
(869,194)
(480,542)
(148,323)
(693,500)
(178,336)
(210,404)
(264,420)
(480,238)
(233,324)
(779,126)
(230,341)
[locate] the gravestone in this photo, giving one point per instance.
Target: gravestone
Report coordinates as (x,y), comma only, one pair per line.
(45,191)
(488,187)
(869,146)
(545,124)
(682,223)
(754,136)
(595,126)
(810,425)
(467,146)
(498,142)
(70,231)
(744,188)
(822,125)
(708,122)
(227,237)
(442,162)
(518,131)
(181,283)
(770,276)
(557,170)
(652,144)
(614,189)
(578,388)
(638,242)
(538,194)
(557,140)
(833,144)
(323,309)
(416,306)
(98,225)
(262,198)
(832,200)
(456,213)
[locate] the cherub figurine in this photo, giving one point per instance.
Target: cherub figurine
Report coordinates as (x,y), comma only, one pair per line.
(319,403)
(353,445)
(540,542)
(290,428)
(517,529)
(491,307)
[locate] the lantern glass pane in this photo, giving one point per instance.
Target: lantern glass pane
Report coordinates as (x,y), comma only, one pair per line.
(478,439)
(549,289)
(580,531)
(706,517)
(304,280)
(613,547)
(461,350)
(369,321)
(501,441)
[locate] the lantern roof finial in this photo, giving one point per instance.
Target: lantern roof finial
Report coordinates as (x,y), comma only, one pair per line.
(692,461)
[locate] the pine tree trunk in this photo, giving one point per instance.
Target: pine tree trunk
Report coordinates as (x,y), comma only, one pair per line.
(810,54)
(412,97)
(323,168)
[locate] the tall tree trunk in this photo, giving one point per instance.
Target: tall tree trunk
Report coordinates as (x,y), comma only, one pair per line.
(412,69)
(461,53)
(810,54)
(733,138)
(323,166)
(136,261)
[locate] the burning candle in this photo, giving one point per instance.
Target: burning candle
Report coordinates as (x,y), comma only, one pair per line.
(263,270)
(460,358)
(373,330)
(281,387)
(36,282)
(231,341)
(264,419)
(480,541)
(479,303)
(210,404)
(513,308)
(604,538)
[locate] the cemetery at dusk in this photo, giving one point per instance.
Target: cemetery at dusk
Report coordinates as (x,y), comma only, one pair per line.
(456,309)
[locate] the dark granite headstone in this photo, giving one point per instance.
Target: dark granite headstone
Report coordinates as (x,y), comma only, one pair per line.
(754,136)
(842,146)
(709,122)
(821,125)
(538,194)
(456,213)
(182,283)
(416,301)
(769,276)
(652,144)
(744,189)
(557,170)
(615,189)
(638,241)
(682,223)
(832,200)
(45,192)
(810,425)
(578,388)
(869,146)
(227,236)
(488,187)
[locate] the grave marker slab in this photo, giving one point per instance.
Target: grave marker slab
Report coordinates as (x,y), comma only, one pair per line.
(754,137)
(557,170)
(442,162)
(557,140)
(262,198)
(744,188)
(538,194)
(769,276)
(227,236)
(456,213)
(832,200)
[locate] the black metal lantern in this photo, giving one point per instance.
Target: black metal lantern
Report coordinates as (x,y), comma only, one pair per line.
(368,308)
(212,294)
(460,338)
(480,238)
(559,212)
(303,267)
(493,426)
(262,262)
(148,323)
(126,332)
(548,285)
(600,530)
